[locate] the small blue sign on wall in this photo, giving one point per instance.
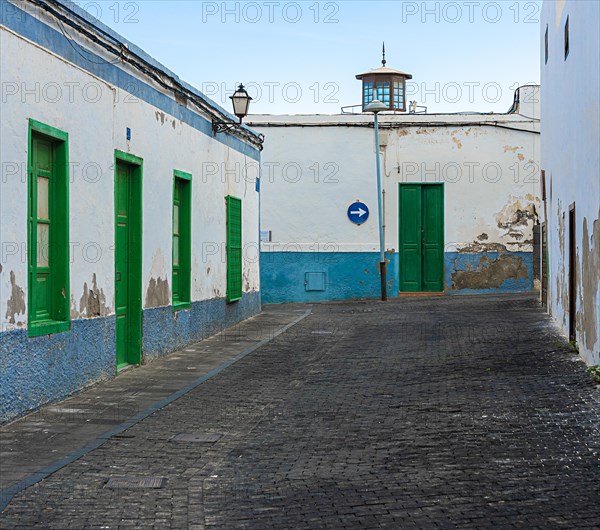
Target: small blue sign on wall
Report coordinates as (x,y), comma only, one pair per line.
(358,212)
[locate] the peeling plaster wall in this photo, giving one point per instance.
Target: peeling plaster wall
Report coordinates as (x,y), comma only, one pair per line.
(571,160)
(95,112)
(311,174)
(491,182)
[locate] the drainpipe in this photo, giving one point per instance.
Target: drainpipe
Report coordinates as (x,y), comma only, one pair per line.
(382,267)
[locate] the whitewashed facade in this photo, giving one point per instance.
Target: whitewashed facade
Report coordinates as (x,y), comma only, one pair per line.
(315,167)
(570,72)
(112,105)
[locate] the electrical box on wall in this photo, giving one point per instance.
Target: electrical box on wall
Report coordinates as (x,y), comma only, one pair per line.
(314,281)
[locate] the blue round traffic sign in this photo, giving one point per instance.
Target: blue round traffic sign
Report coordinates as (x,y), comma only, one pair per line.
(358,212)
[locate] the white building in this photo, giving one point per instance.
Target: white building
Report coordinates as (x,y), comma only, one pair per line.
(570,64)
(460,199)
(125,231)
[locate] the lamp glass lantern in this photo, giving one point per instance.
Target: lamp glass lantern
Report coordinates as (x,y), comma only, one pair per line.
(241,102)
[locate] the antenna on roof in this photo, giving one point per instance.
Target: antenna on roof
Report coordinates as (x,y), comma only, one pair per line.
(383,61)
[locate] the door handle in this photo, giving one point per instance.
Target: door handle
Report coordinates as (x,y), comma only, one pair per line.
(117,276)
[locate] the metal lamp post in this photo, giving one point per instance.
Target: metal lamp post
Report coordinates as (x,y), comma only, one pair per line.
(376,107)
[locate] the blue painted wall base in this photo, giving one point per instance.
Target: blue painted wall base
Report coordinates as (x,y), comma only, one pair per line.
(348,276)
(39,370)
(290,276)
(165,331)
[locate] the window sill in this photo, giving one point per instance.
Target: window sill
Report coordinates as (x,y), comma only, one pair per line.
(48,327)
(179,306)
(232,300)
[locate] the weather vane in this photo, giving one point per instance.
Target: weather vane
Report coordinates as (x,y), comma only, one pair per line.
(383,61)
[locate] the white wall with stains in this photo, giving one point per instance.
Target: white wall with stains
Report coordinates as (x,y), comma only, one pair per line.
(571,161)
(96,89)
(46,87)
(314,167)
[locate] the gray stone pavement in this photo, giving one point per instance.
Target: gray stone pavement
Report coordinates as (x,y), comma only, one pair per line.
(445,412)
(35,441)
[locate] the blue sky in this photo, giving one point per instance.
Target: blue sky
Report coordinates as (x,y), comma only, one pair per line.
(301,57)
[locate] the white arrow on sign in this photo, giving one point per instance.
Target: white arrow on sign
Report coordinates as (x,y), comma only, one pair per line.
(360,212)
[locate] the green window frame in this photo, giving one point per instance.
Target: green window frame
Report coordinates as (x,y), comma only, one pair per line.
(234,248)
(182,239)
(48,292)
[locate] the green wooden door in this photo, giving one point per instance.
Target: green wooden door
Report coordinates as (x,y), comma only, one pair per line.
(127,258)
(123,178)
(432,207)
(421,210)
(410,238)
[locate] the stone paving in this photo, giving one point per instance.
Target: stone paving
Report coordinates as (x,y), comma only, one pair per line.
(59,429)
(445,412)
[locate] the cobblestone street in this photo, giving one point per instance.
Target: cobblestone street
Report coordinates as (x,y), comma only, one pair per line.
(437,412)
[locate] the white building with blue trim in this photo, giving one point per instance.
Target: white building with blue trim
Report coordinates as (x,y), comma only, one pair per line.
(460,199)
(129,227)
(570,73)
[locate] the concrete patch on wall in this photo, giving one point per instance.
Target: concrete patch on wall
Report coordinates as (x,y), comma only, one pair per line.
(517,219)
(562,294)
(93,301)
(589,267)
(478,246)
(16,303)
(158,293)
(506,272)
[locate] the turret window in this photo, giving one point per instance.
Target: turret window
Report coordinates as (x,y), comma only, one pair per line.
(386,85)
(367,93)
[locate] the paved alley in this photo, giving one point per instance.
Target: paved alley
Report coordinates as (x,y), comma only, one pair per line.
(437,412)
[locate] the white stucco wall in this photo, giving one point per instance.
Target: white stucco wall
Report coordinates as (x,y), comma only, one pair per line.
(314,167)
(570,158)
(96,115)
(527,101)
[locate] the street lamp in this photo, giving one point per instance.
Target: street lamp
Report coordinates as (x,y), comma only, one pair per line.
(241,103)
(376,107)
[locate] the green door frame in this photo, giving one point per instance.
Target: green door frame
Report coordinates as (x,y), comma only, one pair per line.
(56,272)
(437,284)
(133,335)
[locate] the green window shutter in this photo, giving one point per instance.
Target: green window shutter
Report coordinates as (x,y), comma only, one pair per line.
(48,234)
(234,248)
(182,237)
